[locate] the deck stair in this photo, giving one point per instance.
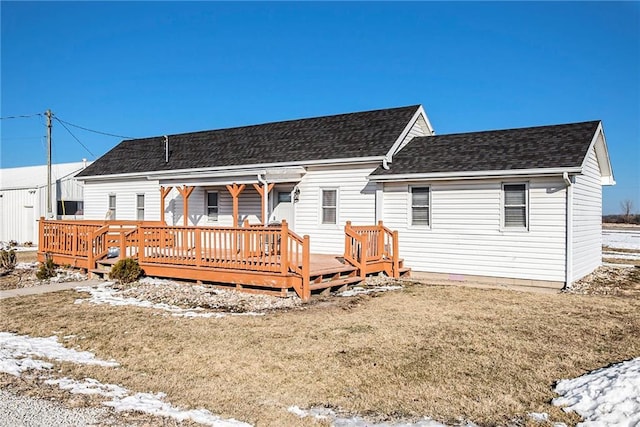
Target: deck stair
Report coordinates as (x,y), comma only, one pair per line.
(103,267)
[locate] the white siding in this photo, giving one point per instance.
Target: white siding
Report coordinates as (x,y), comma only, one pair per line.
(587,219)
(466,238)
(96,199)
(356,203)
(19,212)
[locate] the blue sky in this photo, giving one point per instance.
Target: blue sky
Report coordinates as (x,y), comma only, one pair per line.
(151,68)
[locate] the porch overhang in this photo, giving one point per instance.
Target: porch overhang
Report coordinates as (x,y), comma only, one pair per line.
(246,176)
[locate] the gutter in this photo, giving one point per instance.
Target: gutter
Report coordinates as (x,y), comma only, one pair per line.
(223,169)
(439,176)
(569,232)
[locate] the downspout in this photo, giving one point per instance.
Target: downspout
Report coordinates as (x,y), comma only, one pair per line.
(265,199)
(569,233)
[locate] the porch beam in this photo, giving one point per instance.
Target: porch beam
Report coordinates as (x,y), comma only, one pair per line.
(260,189)
(235,191)
(185,191)
(164,192)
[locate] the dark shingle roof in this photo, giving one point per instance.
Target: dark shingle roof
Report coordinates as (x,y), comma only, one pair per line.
(364,134)
(543,147)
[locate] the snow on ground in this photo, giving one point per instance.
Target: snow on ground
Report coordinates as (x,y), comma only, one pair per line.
(26,265)
(359,290)
(620,255)
(606,396)
(18,352)
(106,294)
(621,239)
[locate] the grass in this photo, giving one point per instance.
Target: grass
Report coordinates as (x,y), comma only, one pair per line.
(489,356)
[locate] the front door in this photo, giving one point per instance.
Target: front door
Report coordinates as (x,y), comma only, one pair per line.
(283,208)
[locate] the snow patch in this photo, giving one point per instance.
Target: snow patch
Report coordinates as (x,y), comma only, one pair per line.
(19,353)
(359,290)
(15,358)
(621,239)
(26,265)
(606,396)
(105,294)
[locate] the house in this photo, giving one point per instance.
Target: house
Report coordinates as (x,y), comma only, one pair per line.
(23,198)
(521,206)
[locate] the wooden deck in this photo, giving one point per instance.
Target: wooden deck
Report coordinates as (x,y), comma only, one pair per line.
(262,259)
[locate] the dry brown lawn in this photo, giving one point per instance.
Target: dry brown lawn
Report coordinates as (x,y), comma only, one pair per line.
(450,353)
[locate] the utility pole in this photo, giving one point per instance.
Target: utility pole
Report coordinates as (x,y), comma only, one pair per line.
(49,209)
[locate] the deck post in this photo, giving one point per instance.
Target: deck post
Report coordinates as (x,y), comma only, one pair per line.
(123,246)
(41,242)
(164,192)
(235,191)
(74,241)
(185,192)
(260,189)
(396,255)
(364,243)
(380,245)
(284,248)
(306,268)
(141,243)
(347,241)
(197,245)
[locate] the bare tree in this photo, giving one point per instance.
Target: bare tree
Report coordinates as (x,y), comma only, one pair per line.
(627,209)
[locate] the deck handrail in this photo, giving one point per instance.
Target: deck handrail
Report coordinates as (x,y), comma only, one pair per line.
(299,260)
(371,243)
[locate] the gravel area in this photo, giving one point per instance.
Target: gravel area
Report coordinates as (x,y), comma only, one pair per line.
(16,410)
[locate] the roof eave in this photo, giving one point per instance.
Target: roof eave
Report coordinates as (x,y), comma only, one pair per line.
(159,174)
(440,176)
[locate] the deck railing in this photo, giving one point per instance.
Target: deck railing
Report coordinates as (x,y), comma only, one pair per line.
(368,244)
(274,249)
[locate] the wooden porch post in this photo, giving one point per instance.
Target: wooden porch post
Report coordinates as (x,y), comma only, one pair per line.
(235,191)
(164,192)
(260,189)
(185,192)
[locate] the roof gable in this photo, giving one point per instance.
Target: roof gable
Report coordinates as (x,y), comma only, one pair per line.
(532,148)
(343,136)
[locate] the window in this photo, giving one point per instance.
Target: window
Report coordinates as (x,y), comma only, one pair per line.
(69,207)
(140,207)
(212,205)
(284,197)
(515,205)
(420,206)
(111,214)
(329,206)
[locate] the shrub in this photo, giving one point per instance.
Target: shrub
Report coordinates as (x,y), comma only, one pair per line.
(47,269)
(126,271)
(7,260)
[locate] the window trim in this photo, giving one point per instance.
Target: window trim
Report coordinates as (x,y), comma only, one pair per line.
(322,207)
(138,207)
(217,206)
(411,206)
(503,206)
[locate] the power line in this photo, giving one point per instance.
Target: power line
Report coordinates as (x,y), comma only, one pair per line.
(21,117)
(94,131)
(75,137)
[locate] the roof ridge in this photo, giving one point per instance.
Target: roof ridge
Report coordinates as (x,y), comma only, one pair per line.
(512,129)
(277,122)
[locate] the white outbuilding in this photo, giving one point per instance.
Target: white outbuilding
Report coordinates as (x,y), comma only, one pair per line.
(23,198)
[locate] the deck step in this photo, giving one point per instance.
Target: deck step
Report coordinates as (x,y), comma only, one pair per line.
(334,283)
(333,270)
